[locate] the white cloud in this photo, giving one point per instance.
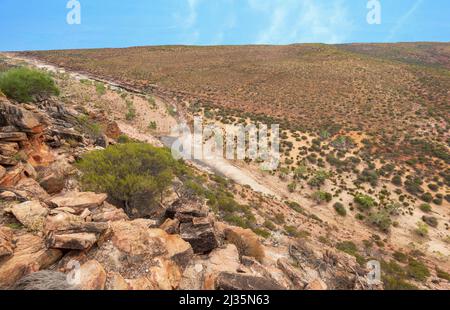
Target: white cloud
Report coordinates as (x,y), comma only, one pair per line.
(192,17)
(301,21)
(401,22)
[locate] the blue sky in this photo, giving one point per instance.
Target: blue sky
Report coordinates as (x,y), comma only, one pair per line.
(41,24)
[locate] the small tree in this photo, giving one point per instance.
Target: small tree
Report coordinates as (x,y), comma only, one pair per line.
(25,85)
(128,172)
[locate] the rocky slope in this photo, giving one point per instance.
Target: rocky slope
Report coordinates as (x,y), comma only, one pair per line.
(51,231)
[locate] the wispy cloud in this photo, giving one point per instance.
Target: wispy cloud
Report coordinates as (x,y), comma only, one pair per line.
(401,22)
(299,21)
(186,21)
(192,17)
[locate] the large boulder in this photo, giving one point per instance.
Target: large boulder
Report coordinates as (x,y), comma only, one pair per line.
(74,241)
(30,255)
(115,282)
(178,250)
(52,178)
(202,271)
(78,200)
(186,211)
(108,213)
(31,214)
(91,276)
(200,234)
(19,117)
(71,232)
(30,188)
(171,226)
(163,275)
(136,240)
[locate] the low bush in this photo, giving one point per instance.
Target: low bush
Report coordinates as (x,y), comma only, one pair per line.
(340,209)
(25,85)
(246,241)
(364,202)
(129,172)
(417,270)
(320,197)
(425,208)
(431,221)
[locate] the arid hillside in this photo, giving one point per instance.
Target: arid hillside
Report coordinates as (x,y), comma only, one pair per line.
(397,94)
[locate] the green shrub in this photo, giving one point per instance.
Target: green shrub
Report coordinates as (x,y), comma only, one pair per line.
(127,172)
(369,176)
(296,207)
(152,125)
(347,247)
(394,277)
(417,270)
(293,232)
(90,127)
(131,111)
(100,88)
(422,229)
(321,197)
(319,179)
(350,248)
(397,180)
(261,232)
(400,257)
(269,225)
(364,202)
(292,187)
(427,197)
(279,218)
(340,209)
(25,85)
(431,221)
(382,220)
(425,208)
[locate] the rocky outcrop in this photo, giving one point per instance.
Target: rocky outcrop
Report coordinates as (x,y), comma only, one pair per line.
(185,212)
(68,231)
(78,201)
(194,224)
(91,276)
(202,271)
(30,255)
(31,214)
(200,234)
(19,117)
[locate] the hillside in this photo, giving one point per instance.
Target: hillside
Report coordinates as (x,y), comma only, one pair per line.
(394,93)
(364,171)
